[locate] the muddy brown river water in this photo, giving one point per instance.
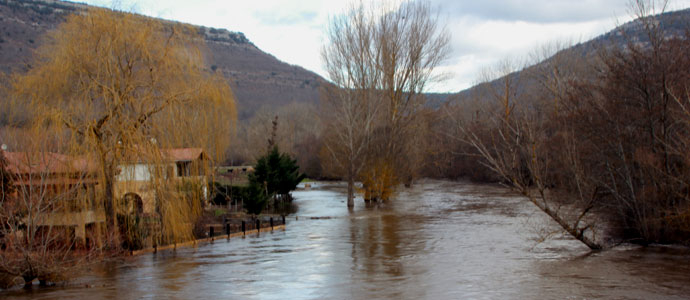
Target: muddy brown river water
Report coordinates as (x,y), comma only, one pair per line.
(437,240)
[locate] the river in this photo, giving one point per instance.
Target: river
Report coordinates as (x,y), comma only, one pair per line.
(436,240)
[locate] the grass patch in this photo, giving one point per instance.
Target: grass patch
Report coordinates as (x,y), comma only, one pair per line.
(218,212)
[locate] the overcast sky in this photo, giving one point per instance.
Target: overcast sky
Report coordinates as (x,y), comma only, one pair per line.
(483,32)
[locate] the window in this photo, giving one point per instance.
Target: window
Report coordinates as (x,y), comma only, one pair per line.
(183,168)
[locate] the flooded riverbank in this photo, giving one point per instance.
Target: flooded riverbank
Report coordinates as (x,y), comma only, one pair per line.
(436,240)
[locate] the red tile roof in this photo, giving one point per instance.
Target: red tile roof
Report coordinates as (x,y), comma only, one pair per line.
(46,162)
(50,162)
(183,154)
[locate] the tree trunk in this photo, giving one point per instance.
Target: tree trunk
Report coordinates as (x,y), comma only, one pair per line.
(109,203)
(350,192)
(577,233)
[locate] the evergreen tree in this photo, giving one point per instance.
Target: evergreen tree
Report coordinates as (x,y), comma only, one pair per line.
(275,175)
(255,198)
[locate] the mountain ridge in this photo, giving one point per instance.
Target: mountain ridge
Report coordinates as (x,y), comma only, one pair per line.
(257,78)
(673,23)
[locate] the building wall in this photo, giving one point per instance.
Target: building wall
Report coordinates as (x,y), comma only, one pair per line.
(136,178)
(141,172)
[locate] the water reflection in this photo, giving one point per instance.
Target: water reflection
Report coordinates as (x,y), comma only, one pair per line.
(437,240)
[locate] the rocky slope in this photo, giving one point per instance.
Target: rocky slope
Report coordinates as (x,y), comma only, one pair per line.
(257,78)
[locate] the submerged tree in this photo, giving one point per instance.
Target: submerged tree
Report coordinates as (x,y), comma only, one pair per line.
(350,60)
(637,127)
(121,86)
(380,59)
(601,134)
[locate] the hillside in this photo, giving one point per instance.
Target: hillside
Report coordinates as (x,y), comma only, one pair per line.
(673,23)
(257,78)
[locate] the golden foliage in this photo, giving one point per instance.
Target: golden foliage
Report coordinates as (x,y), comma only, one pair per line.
(379,181)
(116,78)
(179,211)
(116,88)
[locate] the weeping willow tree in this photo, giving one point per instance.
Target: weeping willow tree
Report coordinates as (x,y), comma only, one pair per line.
(121,88)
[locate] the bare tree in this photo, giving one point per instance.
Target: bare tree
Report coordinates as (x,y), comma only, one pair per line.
(412,45)
(634,127)
(601,134)
(380,59)
(516,139)
(48,220)
(350,58)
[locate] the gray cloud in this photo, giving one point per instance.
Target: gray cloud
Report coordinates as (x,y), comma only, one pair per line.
(538,11)
(278,18)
